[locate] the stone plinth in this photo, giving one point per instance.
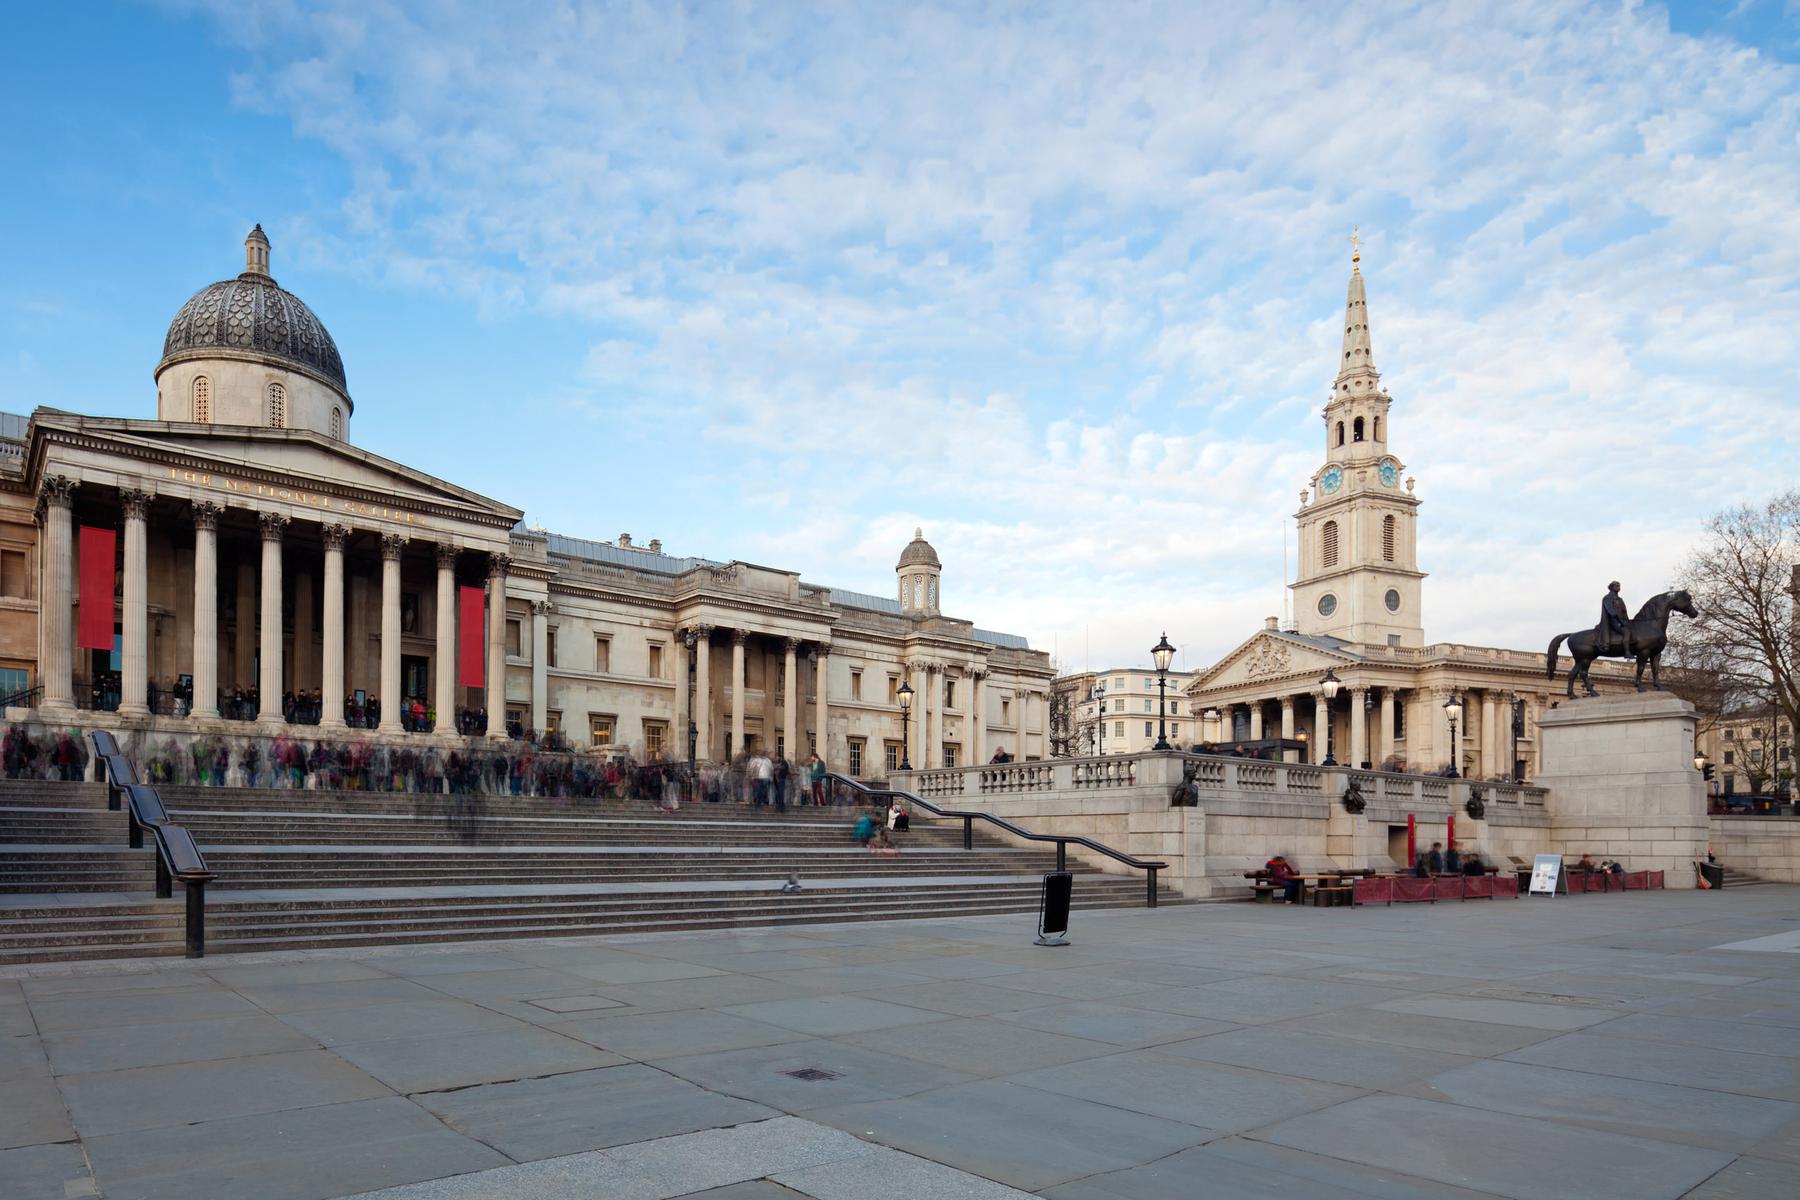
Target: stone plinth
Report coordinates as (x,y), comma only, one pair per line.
(1622,785)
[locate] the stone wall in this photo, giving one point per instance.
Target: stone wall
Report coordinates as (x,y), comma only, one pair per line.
(1766,847)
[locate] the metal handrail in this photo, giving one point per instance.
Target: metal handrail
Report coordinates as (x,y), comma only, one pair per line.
(178,857)
(21,699)
(969,818)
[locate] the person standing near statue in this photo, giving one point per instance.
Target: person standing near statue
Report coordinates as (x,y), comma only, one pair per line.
(1615,622)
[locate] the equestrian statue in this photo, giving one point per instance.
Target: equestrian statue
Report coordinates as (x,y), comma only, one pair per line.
(1616,636)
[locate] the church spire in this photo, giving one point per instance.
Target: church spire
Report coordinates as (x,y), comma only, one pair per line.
(1356,370)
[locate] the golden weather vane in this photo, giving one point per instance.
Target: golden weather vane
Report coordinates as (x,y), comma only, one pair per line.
(1355,246)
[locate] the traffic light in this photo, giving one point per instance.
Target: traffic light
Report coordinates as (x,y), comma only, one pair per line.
(1706,772)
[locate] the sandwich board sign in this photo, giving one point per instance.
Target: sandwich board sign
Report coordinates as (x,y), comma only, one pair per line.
(1546,871)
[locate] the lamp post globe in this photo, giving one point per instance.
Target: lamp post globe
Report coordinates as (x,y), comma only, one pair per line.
(905,695)
(1162,654)
(1700,761)
(1453,709)
(1328,687)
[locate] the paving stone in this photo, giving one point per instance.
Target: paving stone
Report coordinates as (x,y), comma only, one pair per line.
(16,1021)
(713,991)
(1559,1017)
(828,1016)
(1024,1137)
(54,1172)
(1259,1001)
(82,1051)
(1474,1038)
(648,1036)
(563,1005)
(146,980)
(184,1093)
(457,1060)
(637,970)
(315,971)
(980,1047)
(1114,1023)
(136,1008)
(755,1189)
(419,966)
(1287,1051)
(1219,1098)
(398,1019)
(760,1073)
(522,983)
(1506,1155)
(969,997)
(586,1110)
(33,1113)
(303,1154)
(1629,1106)
(22,1055)
(1751,1179)
(346,993)
(1248,1170)
(1743,1036)
(1668,1062)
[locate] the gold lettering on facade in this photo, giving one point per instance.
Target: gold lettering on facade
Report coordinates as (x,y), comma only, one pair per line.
(300,496)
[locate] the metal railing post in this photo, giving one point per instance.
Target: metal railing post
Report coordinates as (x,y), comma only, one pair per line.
(968,833)
(1151,899)
(196,919)
(164,885)
(1062,849)
(134,836)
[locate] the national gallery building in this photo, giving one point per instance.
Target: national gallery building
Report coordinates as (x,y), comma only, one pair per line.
(239,557)
(1353,677)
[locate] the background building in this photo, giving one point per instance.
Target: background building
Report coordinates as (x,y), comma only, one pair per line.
(1115,712)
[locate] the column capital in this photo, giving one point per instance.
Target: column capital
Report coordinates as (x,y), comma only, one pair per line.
(821,649)
(206,515)
(334,536)
(978,674)
(1287,705)
(135,502)
(56,491)
(791,645)
(499,565)
(542,608)
(739,636)
(446,556)
(274,526)
(391,546)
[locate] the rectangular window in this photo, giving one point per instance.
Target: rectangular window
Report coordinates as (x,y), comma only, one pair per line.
(1149,729)
(1728,757)
(1148,705)
(1174,707)
(13,581)
(1175,731)
(550,648)
(552,721)
(891,755)
(656,660)
(601,727)
(855,684)
(1730,735)
(512,639)
(602,654)
(656,736)
(1118,729)
(14,681)
(949,693)
(856,758)
(1006,710)
(1399,721)
(893,689)
(950,754)
(781,745)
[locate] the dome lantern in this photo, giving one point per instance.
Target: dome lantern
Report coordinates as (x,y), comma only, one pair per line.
(919,570)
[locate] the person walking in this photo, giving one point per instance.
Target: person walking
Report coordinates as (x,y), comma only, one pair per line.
(783,775)
(815,777)
(762,775)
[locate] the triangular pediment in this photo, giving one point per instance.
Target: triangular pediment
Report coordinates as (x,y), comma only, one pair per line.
(1271,656)
(251,461)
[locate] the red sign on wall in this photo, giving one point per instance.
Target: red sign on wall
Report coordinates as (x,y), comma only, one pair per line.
(470,669)
(94,620)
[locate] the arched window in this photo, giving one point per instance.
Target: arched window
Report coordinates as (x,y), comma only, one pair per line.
(1340,433)
(337,423)
(1357,430)
(918,592)
(202,399)
(1377,432)
(1387,538)
(1328,537)
(277,406)
(931,593)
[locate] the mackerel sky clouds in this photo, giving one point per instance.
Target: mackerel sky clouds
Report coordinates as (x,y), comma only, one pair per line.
(1061,283)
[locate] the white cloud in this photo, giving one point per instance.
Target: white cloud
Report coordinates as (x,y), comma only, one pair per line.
(1062,283)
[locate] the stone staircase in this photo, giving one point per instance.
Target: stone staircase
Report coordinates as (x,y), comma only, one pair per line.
(303,869)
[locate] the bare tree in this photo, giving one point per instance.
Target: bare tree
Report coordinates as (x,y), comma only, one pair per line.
(1744,578)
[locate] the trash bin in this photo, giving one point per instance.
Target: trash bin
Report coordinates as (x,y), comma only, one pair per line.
(1713,873)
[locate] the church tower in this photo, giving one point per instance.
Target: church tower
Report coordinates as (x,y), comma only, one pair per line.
(1359,576)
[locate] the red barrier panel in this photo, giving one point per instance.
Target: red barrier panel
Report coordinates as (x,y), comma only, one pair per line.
(1478,887)
(1447,887)
(1374,891)
(1577,882)
(1506,885)
(1637,881)
(1656,879)
(1408,890)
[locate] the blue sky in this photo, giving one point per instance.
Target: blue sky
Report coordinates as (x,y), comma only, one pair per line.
(1059,283)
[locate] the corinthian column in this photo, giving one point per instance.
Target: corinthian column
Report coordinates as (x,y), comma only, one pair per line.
(134,669)
(790,702)
(1321,742)
(206,610)
(391,546)
(1359,726)
(703,735)
(1287,728)
(331,685)
(274,527)
(498,565)
(56,499)
(934,749)
(445,701)
(540,665)
(738,637)
(977,716)
(821,660)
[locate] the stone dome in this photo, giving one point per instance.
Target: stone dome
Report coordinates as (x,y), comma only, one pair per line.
(253,317)
(918,553)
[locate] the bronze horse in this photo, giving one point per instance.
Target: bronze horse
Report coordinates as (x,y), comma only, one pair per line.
(1649,634)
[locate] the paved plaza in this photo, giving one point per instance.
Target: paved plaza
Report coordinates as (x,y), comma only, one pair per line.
(1639,1045)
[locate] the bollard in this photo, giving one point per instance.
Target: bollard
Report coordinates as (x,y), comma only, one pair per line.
(196,920)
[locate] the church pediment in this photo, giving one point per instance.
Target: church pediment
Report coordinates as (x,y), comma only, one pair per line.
(1270,656)
(255,467)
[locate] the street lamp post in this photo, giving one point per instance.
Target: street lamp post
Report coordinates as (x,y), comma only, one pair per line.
(691,638)
(1163,654)
(1329,685)
(905,694)
(1453,709)
(1098,694)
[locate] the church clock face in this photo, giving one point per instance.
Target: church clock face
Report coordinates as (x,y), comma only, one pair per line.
(1331,480)
(1390,474)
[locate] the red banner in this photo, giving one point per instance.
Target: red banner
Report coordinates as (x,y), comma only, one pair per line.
(1374,890)
(1413,889)
(94,622)
(1506,885)
(471,670)
(1478,887)
(1448,887)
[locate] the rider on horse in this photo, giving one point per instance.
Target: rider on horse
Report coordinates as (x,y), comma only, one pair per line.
(1615,623)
